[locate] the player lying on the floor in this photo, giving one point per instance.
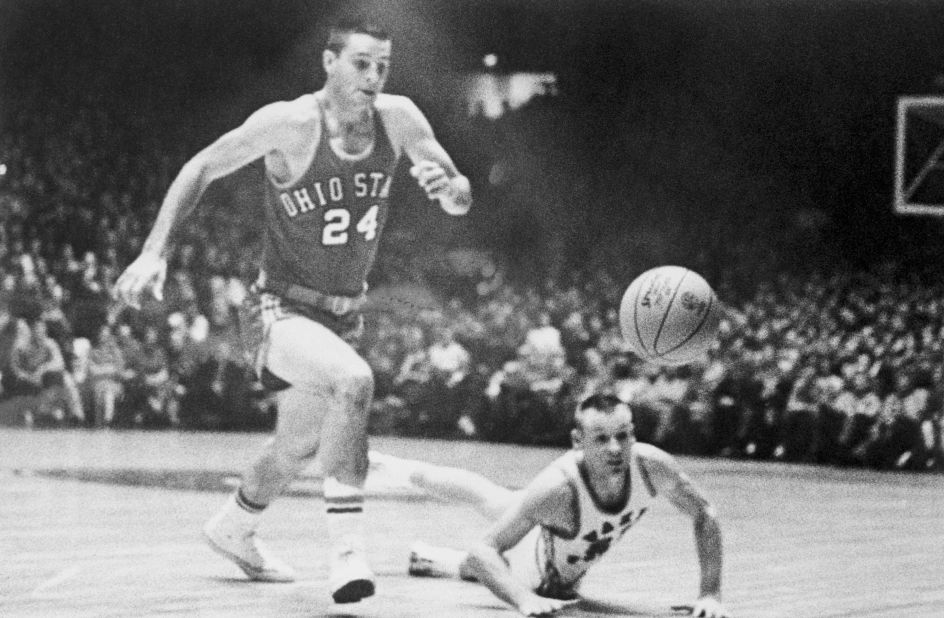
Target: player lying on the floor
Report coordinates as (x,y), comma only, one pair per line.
(546,536)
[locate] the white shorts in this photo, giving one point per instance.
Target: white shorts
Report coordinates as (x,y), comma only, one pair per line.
(525,562)
(529,563)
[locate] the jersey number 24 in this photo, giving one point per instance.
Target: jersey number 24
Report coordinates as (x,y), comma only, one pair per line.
(338,220)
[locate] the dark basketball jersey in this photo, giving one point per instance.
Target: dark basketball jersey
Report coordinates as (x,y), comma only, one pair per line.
(322,231)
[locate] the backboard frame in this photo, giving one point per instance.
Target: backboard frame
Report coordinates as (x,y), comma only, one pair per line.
(904,187)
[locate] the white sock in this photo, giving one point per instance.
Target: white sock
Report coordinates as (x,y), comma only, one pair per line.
(240,515)
(446,562)
(344,506)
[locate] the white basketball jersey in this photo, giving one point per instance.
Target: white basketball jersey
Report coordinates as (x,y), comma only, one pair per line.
(559,563)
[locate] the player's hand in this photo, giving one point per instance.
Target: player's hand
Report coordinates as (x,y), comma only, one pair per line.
(433,179)
(145,273)
(709,607)
(534,605)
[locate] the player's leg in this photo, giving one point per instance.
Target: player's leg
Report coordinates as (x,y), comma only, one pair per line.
(453,485)
(449,483)
(323,382)
(523,560)
(343,457)
(231,532)
(294,442)
(457,485)
(338,383)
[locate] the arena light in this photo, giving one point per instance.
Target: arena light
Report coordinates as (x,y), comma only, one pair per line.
(491,94)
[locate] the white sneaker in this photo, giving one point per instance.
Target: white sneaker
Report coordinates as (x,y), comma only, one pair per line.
(248,552)
(350,579)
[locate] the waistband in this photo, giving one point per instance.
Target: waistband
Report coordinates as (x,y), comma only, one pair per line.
(338,305)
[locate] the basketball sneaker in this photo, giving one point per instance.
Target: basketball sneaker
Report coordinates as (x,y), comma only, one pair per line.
(350,579)
(248,552)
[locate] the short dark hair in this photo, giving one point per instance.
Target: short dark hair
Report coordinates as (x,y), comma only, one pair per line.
(605,402)
(600,401)
(343,28)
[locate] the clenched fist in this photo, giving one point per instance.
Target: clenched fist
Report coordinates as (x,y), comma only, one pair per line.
(147,272)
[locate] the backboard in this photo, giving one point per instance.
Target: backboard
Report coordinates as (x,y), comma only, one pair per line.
(919,149)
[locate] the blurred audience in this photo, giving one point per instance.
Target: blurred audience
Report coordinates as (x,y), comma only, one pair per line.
(38,371)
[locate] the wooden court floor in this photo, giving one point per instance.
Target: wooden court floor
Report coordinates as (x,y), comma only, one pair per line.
(107,524)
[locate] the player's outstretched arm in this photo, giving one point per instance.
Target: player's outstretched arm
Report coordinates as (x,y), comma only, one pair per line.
(540,501)
(672,482)
(260,134)
(432,167)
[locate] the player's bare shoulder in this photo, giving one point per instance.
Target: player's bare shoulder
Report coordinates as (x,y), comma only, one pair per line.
(552,481)
(551,499)
(651,452)
(298,118)
(672,482)
(394,105)
(403,120)
(661,467)
(292,130)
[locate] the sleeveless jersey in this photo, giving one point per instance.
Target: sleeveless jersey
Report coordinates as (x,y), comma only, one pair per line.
(559,563)
(322,230)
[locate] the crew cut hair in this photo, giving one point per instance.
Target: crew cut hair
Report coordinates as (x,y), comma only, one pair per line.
(601,402)
(343,28)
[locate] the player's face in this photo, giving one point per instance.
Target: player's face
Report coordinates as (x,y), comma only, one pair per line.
(606,440)
(357,74)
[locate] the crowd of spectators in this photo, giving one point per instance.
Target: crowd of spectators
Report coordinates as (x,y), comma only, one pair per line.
(843,369)
(839,366)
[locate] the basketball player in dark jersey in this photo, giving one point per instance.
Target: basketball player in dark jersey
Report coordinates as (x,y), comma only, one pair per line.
(329,159)
(547,536)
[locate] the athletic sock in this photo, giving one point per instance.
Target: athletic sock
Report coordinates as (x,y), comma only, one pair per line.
(240,513)
(246,504)
(344,505)
(445,561)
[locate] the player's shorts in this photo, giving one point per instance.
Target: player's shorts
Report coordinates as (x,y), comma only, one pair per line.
(531,565)
(260,310)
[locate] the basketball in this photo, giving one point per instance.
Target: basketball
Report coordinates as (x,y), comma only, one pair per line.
(669,315)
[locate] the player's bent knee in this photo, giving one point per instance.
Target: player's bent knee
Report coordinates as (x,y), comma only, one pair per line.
(356,385)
